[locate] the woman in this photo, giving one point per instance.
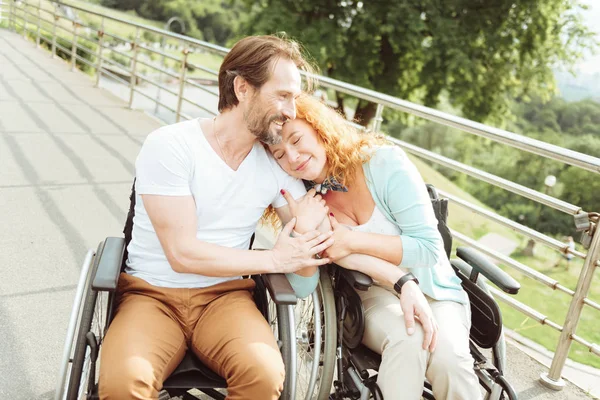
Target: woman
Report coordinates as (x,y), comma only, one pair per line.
(380,210)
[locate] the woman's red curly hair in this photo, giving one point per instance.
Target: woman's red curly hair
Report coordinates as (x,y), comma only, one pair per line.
(346,148)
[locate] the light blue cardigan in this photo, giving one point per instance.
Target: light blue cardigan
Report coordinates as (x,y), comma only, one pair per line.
(400,194)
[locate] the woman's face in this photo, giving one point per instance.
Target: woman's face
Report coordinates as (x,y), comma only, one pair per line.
(300,152)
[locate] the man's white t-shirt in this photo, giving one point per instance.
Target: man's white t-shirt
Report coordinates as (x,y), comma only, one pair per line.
(177,160)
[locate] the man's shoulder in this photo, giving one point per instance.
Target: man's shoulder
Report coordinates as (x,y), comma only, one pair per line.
(175,131)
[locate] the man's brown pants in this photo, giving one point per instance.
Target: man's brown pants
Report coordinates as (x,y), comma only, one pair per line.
(154,326)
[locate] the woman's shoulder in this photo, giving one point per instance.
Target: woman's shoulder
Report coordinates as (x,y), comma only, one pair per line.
(387,155)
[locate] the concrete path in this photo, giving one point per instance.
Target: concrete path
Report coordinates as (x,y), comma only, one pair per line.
(67,154)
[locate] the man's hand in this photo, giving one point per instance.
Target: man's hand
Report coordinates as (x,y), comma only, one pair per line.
(309,211)
(291,254)
(414,304)
(342,238)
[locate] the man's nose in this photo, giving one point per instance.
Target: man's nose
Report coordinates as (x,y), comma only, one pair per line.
(290,110)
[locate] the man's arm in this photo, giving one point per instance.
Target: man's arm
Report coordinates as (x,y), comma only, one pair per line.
(174,220)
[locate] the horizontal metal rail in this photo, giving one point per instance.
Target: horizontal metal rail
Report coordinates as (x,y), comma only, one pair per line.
(199,43)
(530,145)
(83,60)
(524,269)
(592,347)
(524,309)
(198,86)
(201,68)
(121,38)
(591,303)
(150,81)
(521,190)
(162,70)
(160,53)
(114,76)
(119,52)
(211,112)
(116,64)
(532,233)
(156,101)
(68,51)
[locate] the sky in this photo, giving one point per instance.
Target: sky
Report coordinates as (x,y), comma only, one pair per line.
(591,63)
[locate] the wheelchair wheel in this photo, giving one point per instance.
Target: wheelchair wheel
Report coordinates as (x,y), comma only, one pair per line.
(309,356)
(84,367)
(316,342)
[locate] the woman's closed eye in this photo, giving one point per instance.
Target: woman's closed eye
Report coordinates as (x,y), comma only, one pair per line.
(279,155)
(297,140)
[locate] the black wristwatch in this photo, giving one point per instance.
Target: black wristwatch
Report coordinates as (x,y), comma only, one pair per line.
(405,278)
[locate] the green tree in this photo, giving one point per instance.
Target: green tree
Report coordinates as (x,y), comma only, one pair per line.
(476,51)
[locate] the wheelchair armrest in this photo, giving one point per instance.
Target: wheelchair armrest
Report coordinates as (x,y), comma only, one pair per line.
(479,264)
(280,289)
(109,257)
(356,279)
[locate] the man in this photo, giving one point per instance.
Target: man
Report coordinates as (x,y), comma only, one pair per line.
(203,186)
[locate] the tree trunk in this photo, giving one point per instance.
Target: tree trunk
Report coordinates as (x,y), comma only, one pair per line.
(365,111)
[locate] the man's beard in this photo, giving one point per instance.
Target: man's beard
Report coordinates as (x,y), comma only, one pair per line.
(259,125)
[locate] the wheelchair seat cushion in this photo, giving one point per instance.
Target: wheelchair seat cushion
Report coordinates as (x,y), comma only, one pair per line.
(191,372)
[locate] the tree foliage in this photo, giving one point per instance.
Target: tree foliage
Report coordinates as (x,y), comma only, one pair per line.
(479,52)
(211,20)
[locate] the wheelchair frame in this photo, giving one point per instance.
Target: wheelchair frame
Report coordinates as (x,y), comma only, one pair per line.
(354,360)
(100,273)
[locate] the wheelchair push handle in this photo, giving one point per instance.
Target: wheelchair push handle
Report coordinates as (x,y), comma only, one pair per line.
(480,264)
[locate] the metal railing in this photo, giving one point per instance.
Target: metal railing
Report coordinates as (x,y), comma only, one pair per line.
(31,18)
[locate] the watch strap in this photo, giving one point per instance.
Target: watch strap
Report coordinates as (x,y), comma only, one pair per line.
(405,278)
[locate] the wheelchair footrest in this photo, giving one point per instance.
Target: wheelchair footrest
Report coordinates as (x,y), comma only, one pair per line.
(363,360)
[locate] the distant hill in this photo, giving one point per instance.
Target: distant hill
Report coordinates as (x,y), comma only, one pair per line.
(582,86)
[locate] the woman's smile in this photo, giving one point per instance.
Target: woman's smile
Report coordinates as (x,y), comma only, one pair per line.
(303,165)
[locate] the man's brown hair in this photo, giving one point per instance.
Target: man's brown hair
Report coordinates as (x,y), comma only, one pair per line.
(253,59)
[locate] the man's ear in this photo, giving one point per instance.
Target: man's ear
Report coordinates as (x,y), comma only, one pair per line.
(241,88)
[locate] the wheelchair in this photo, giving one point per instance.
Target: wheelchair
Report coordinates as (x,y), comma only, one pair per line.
(356,366)
(94,308)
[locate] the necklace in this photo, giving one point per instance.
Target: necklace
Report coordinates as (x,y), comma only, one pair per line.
(218,142)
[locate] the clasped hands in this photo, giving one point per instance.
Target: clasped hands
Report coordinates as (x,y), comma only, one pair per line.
(314,237)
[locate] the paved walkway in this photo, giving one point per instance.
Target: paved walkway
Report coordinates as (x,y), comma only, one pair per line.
(67,154)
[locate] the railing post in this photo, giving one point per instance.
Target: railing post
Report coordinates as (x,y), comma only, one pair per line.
(56,17)
(74,46)
(181,84)
(39,21)
(100,48)
(378,119)
(160,74)
(553,379)
(24,19)
(133,78)
(11,16)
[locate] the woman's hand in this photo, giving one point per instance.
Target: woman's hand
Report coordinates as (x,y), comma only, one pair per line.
(415,305)
(342,236)
(309,211)
(291,254)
